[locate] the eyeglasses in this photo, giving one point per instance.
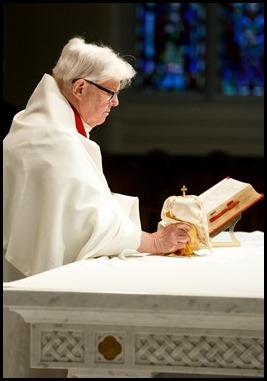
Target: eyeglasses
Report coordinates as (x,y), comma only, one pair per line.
(111,93)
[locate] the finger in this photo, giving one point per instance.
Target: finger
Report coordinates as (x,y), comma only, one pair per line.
(180,245)
(184,226)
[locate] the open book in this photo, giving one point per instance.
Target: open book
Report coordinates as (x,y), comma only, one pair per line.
(225,201)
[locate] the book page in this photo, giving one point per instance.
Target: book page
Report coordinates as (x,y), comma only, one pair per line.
(221,192)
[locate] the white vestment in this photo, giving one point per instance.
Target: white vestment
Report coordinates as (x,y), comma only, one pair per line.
(58,207)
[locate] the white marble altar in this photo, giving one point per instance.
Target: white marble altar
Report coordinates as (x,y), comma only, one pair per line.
(140,316)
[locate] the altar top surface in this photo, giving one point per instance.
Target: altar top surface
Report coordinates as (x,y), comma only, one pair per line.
(224,273)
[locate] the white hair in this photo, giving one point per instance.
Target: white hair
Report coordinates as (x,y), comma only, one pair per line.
(95,62)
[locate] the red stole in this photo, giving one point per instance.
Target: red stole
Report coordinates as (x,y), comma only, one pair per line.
(79,122)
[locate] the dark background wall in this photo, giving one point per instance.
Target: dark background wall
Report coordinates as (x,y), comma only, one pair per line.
(150,147)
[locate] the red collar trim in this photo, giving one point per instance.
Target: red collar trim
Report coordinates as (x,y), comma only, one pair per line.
(79,122)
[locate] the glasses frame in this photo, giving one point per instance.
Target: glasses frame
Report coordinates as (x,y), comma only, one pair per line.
(111,93)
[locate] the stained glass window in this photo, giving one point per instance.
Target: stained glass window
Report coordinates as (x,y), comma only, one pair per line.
(172,40)
(241,52)
(171,45)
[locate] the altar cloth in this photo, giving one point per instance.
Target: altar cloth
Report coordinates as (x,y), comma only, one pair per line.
(224,272)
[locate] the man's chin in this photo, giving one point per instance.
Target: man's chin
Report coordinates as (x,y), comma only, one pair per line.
(96,127)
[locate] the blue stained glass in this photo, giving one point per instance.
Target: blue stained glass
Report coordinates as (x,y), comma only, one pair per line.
(171,46)
(241,53)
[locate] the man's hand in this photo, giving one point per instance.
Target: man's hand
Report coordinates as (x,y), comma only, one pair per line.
(167,240)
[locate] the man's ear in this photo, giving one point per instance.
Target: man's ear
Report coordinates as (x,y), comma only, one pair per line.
(78,88)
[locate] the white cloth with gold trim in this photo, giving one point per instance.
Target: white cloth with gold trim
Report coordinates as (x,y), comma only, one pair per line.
(187,209)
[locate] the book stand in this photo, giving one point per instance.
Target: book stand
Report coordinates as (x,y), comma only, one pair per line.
(229,226)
